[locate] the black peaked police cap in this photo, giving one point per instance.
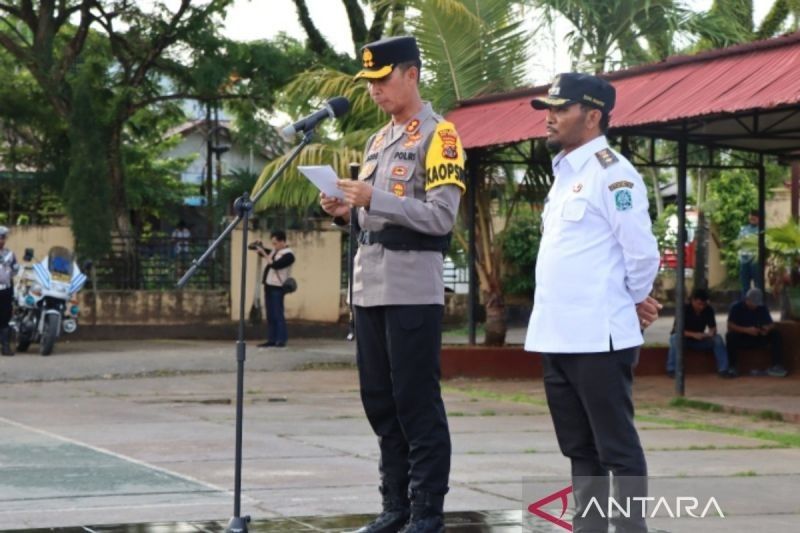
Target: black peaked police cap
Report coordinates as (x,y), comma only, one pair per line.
(576,88)
(379,58)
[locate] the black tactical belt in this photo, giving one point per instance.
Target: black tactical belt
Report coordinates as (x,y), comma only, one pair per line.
(400,238)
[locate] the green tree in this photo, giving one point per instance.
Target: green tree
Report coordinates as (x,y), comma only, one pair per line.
(90,194)
(737,15)
(166,53)
(520,242)
(609,33)
(51,40)
(731,197)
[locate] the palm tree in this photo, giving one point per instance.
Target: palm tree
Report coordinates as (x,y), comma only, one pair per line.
(469,48)
(610,32)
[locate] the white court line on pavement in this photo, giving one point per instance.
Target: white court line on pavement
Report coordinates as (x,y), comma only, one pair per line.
(121,457)
(103,508)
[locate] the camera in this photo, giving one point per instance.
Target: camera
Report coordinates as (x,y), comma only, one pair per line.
(257,245)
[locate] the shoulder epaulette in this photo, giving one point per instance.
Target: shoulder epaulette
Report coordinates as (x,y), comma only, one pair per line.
(606,157)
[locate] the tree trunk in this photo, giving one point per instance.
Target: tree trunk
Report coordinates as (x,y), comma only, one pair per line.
(495,318)
(358,28)
(119,197)
(656,190)
(316,42)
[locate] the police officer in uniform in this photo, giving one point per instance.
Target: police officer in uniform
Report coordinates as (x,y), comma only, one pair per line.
(595,269)
(8,268)
(407,195)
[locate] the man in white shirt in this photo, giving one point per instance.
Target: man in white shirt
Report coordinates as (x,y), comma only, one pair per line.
(596,265)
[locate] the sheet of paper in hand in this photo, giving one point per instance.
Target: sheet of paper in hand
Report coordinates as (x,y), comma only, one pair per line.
(324,178)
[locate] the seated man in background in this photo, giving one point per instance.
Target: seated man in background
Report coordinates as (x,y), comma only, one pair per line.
(700,333)
(750,326)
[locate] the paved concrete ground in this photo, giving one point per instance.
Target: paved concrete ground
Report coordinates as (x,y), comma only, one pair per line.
(143,431)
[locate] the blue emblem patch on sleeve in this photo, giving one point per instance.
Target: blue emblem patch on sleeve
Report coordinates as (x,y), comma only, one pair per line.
(623,200)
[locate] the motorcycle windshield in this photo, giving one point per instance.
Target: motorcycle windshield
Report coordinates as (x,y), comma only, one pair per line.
(59,262)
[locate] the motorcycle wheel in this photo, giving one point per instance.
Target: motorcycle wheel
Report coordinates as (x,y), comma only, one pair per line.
(49,334)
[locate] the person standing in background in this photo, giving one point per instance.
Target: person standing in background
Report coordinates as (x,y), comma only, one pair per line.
(8,268)
(749,270)
(279,262)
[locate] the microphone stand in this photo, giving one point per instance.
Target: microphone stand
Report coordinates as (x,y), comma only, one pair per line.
(351,251)
(243,207)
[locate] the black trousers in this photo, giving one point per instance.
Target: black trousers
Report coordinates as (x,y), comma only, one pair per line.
(398,355)
(739,341)
(590,400)
(6,306)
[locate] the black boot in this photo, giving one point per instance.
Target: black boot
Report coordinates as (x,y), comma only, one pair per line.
(427,513)
(5,339)
(395,510)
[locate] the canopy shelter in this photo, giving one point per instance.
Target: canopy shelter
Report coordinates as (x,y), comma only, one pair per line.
(745,97)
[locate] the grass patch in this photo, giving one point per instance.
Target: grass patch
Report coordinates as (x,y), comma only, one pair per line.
(746,473)
(695,448)
(787,440)
(488,412)
(456,413)
(334,365)
(776,439)
(529,450)
(769,414)
(700,405)
(483,394)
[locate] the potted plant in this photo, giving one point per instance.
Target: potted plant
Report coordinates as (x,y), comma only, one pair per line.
(783,263)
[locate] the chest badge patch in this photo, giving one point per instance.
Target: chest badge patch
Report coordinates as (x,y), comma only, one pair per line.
(399,189)
(412,126)
(399,172)
(623,200)
(578,187)
(412,140)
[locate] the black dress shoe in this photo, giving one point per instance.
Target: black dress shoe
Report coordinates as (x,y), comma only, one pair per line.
(266,344)
(387,522)
(431,524)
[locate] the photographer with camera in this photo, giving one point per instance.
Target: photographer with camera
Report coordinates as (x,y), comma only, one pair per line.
(277,281)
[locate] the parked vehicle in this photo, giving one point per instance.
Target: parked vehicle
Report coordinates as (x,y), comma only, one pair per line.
(45,297)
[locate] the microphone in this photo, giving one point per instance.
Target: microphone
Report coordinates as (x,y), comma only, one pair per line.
(334,108)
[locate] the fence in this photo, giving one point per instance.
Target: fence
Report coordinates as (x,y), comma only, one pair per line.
(158,263)
(456,278)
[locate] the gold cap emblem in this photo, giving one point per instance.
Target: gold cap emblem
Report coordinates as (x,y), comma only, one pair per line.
(366,58)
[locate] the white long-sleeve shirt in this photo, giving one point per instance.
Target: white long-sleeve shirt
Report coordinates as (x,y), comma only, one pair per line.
(598,257)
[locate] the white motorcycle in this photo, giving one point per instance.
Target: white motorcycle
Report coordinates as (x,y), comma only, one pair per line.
(45,296)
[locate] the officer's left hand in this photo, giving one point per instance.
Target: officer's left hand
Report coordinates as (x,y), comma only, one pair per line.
(356,193)
(647,311)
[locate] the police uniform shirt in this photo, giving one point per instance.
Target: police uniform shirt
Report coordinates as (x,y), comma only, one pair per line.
(417,174)
(8,267)
(598,256)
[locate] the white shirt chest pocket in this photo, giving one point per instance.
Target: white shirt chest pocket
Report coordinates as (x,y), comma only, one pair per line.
(573,210)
